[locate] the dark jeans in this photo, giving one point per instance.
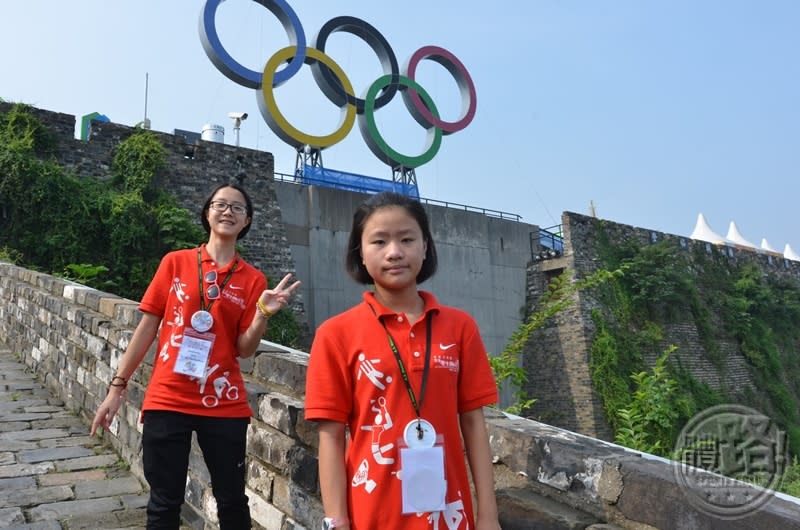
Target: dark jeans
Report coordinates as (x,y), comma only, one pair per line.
(166,443)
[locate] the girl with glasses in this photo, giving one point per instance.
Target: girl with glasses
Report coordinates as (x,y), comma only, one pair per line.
(394,383)
(212,308)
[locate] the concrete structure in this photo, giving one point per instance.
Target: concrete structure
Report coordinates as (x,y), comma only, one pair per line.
(482,259)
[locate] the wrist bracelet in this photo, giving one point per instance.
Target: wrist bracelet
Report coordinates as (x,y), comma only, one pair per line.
(122,382)
(264,309)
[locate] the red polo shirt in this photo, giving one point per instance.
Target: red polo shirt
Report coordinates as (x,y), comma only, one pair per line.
(354,378)
(174,296)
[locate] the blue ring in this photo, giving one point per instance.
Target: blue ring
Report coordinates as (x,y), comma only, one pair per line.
(234,70)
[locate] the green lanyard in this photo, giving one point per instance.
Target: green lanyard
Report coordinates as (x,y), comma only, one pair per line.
(200,282)
(417,405)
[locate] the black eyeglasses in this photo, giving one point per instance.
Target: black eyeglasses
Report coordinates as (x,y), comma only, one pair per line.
(212,291)
(221,206)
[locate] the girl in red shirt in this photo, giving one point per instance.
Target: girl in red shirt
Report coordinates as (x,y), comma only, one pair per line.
(211,308)
(394,383)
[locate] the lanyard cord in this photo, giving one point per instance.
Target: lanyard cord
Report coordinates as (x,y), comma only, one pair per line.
(417,405)
(200,282)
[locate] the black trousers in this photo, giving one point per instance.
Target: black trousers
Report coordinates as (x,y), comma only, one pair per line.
(166,443)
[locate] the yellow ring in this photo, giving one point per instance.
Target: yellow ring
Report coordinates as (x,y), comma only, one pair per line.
(278,123)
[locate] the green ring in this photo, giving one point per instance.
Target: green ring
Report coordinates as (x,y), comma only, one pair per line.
(374,140)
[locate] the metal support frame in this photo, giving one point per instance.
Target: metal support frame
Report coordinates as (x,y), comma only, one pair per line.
(307,156)
(404,175)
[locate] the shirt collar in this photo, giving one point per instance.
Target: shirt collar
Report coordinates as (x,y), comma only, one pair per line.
(431,303)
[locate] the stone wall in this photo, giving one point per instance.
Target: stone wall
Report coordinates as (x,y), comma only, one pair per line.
(557,357)
(72,338)
(190,172)
(304,229)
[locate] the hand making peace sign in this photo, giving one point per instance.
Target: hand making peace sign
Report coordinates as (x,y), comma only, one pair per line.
(276,299)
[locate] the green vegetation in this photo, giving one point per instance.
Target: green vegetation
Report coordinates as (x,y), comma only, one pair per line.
(107,234)
(284,329)
(649,421)
(725,301)
(560,294)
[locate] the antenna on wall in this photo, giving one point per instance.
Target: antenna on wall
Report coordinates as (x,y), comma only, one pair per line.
(145,123)
(592,209)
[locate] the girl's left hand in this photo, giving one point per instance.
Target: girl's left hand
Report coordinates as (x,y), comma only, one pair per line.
(276,299)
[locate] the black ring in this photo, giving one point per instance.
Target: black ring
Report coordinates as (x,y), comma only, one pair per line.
(329,84)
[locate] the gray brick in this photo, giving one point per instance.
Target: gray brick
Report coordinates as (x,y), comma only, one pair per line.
(10,517)
(34,496)
(57,453)
(107,488)
(67,509)
(17,483)
(88,462)
(21,470)
(38,434)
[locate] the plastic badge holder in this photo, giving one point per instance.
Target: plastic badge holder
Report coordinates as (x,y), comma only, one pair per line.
(423,481)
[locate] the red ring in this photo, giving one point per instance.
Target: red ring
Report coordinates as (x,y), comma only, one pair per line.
(459,72)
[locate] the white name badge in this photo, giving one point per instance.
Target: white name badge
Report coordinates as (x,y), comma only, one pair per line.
(419,433)
(194,353)
(423,485)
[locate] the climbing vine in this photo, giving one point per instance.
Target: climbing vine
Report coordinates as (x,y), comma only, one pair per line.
(560,295)
(663,283)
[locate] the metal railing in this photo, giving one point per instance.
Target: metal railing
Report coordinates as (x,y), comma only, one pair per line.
(547,244)
(285,177)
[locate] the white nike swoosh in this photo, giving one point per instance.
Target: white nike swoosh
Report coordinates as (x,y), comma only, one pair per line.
(235,287)
(446,347)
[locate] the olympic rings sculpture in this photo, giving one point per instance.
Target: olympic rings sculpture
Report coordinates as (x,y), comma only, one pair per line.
(336,86)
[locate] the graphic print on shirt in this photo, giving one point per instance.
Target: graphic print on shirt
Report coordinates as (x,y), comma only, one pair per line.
(221,384)
(362,477)
(447,361)
(178,286)
(176,335)
(453,515)
(367,367)
(381,424)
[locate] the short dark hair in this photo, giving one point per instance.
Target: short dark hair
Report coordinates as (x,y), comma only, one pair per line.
(353,261)
(248,202)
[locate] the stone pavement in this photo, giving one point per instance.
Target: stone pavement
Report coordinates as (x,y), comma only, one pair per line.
(53,475)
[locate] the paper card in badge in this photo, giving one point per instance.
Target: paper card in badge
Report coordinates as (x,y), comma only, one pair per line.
(423,481)
(193,353)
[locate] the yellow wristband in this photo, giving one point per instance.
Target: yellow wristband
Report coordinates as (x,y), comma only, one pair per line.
(263,308)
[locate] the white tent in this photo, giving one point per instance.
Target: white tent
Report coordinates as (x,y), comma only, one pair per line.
(703,232)
(766,246)
(788,253)
(734,236)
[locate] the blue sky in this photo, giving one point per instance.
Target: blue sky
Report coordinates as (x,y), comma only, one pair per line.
(652,111)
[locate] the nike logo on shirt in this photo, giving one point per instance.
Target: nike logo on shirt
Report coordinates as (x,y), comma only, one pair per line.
(445,347)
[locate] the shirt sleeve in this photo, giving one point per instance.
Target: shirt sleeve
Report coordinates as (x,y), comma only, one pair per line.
(477,386)
(154,300)
(328,380)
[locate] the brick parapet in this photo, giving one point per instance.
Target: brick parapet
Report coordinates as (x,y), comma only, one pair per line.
(72,336)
